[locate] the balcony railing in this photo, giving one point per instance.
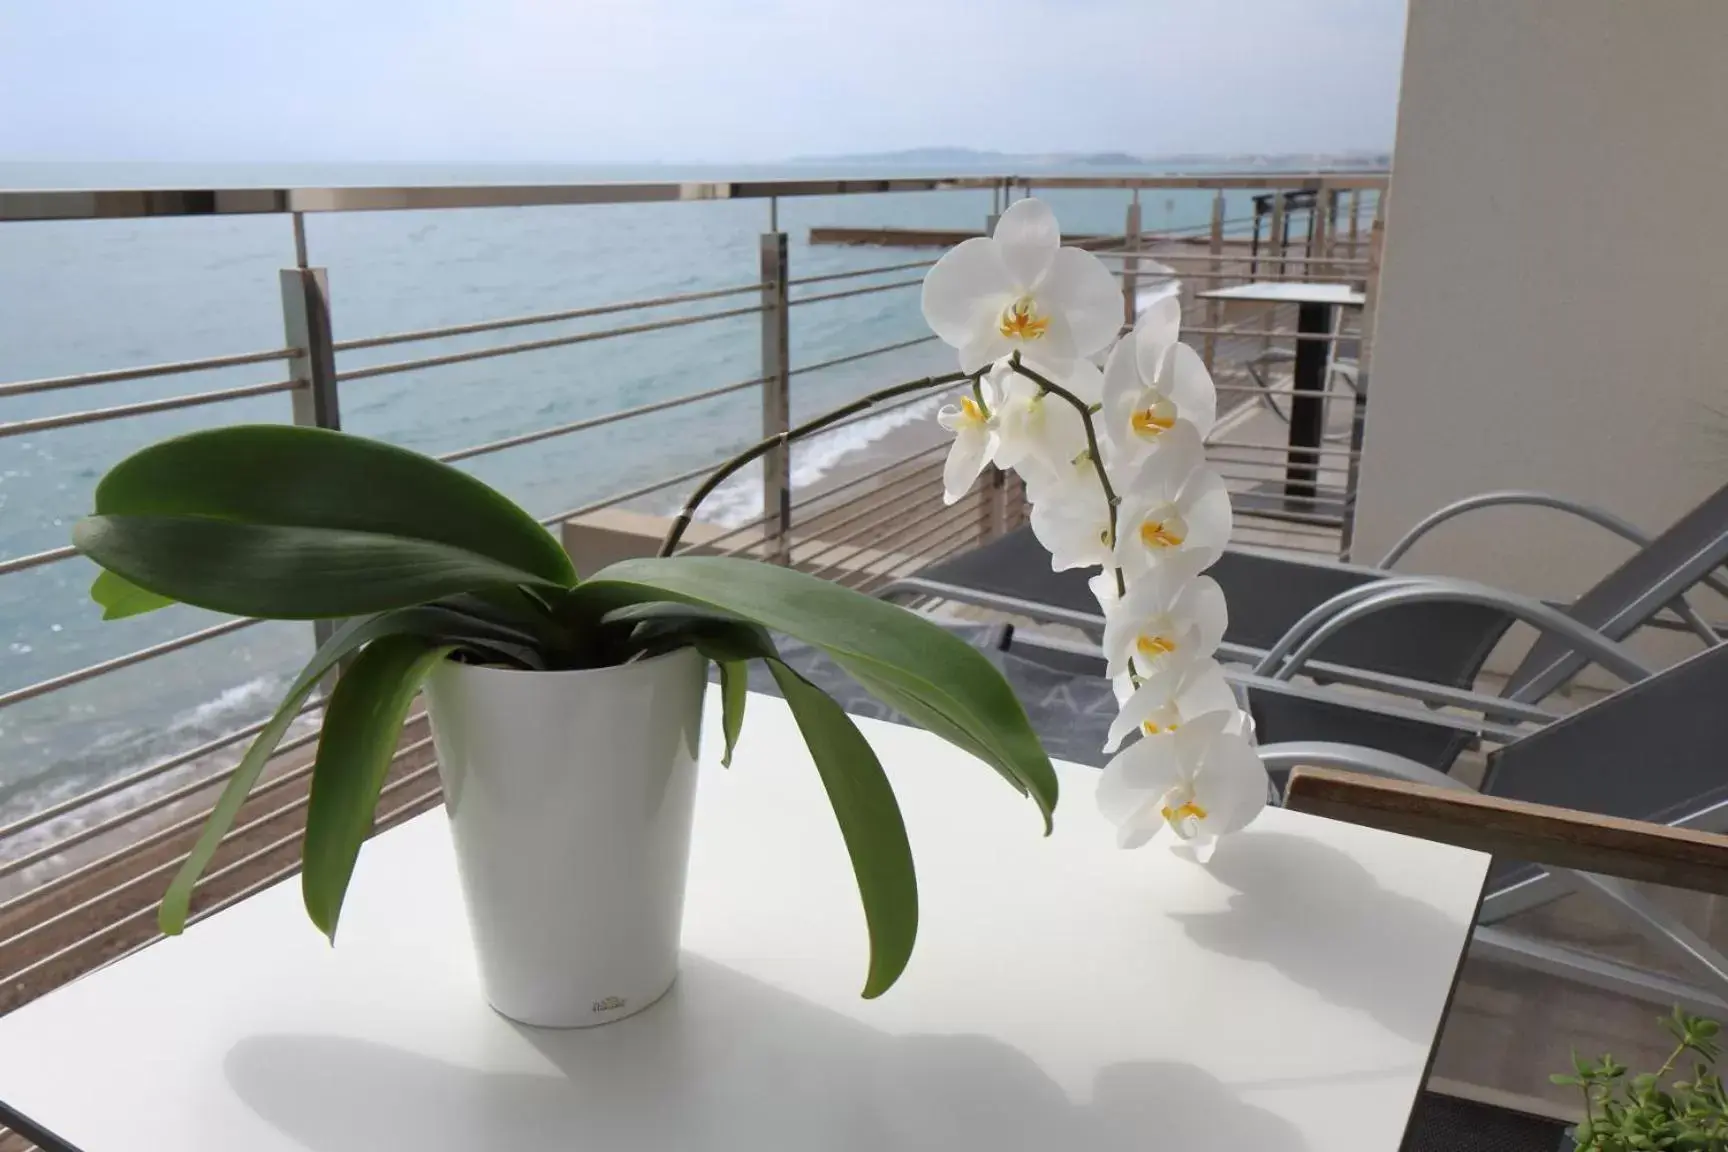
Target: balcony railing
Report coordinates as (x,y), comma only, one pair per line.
(82,867)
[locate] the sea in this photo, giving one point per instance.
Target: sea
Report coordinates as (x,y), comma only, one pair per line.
(84,296)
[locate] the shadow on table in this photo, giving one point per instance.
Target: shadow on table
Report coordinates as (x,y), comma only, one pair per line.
(1295,900)
(726,1062)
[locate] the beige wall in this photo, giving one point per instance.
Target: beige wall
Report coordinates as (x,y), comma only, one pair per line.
(1554,301)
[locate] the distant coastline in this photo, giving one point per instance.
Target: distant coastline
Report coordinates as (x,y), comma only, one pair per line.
(1163,162)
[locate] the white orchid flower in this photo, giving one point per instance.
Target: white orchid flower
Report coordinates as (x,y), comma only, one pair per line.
(1071,519)
(1202,781)
(1020,290)
(1043,434)
(1104,591)
(1166,701)
(1019,300)
(1169,619)
(1173,504)
(1151,381)
(976,439)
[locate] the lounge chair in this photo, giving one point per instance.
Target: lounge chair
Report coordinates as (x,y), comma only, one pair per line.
(1417,637)
(1654,751)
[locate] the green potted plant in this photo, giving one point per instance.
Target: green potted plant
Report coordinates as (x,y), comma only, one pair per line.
(1654,1110)
(564,708)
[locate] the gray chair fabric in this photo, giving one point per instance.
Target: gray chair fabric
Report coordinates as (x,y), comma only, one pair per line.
(1690,549)
(1656,751)
(1436,643)
(1070,709)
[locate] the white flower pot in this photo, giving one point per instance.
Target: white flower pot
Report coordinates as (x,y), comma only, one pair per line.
(570,798)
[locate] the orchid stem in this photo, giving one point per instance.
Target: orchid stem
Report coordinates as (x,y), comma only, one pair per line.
(762,447)
(1092,452)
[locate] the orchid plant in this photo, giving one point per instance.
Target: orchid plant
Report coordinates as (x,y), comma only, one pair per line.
(1114,466)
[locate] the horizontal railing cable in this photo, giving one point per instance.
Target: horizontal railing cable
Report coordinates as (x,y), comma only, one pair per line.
(539,318)
(145,372)
(1311,505)
(354,374)
(731,534)
(914,562)
(882,271)
(155,804)
(36,560)
(162,835)
(823,541)
(887,497)
(148,913)
(91,671)
(878,409)
(855,356)
(1274,333)
(864,478)
(142,408)
(1282,449)
(1284,392)
(855,292)
(597,421)
(150,772)
(896,551)
(631,494)
(882,544)
(416,804)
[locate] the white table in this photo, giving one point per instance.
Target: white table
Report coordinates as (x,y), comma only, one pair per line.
(1064,995)
(1317,306)
(1291,292)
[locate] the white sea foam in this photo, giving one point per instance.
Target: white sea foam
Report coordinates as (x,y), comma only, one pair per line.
(739,500)
(225,713)
(242,700)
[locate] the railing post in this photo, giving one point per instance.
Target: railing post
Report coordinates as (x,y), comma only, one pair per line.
(776,398)
(1319,232)
(1355,216)
(1131,265)
(1215,308)
(1254,246)
(1332,201)
(1277,238)
(306,326)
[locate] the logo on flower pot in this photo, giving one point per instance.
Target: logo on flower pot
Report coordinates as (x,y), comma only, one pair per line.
(610,1004)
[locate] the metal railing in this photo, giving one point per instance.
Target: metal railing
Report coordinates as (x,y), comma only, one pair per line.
(80,874)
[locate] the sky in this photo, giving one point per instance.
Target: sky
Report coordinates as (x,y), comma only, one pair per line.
(635,81)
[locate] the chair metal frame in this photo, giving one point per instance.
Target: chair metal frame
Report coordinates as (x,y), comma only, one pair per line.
(1506,945)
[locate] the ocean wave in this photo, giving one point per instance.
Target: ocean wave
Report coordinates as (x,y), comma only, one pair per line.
(225,713)
(739,500)
(243,701)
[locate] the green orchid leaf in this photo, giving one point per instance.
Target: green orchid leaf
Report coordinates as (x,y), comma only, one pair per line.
(911,663)
(120,598)
(734,690)
(284,573)
(928,716)
(275,475)
(361,730)
(870,823)
(726,640)
(427,623)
